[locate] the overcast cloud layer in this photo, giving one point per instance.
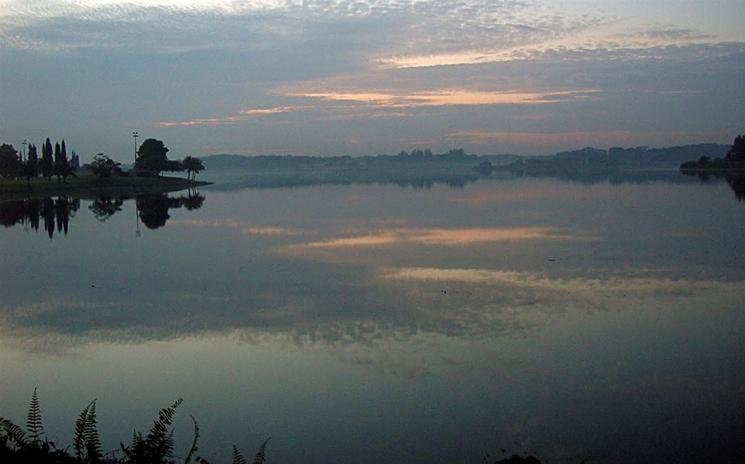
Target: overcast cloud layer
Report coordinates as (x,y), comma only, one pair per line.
(374,76)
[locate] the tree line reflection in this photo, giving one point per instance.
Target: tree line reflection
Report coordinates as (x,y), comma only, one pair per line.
(53,213)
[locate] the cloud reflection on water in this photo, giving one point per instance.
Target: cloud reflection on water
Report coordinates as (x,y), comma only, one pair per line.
(638,285)
(440,237)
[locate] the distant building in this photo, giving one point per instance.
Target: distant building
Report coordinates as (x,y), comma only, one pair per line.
(74,161)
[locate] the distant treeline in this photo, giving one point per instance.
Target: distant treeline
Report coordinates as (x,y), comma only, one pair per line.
(583,159)
(305,161)
(733,160)
(53,162)
(588,159)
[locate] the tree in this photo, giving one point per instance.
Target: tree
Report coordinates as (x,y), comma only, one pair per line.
(30,168)
(103,166)
(152,157)
(9,161)
(737,152)
(192,166)
(46,165)
(174,166)
(61,165)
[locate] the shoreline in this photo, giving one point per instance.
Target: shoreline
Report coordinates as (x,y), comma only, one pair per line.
(89,185)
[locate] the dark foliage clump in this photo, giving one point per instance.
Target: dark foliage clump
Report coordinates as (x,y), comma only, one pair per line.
(19,446)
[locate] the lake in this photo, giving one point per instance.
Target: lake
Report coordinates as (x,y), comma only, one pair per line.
(379,322)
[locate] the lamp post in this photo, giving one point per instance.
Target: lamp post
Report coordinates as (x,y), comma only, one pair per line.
(23,154)
(135,134)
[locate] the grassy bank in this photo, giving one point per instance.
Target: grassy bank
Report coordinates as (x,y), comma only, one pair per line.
(92,186)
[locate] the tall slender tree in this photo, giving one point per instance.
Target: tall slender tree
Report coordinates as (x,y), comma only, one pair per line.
(46,166)
(57,164)
(61,165)
(31,166)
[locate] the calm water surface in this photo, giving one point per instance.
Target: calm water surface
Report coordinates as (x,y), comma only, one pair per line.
(380,323)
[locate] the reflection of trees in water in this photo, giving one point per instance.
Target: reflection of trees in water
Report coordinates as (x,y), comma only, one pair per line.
(103,208)
(54,212)
(735,181)
(153,209)
(738,186)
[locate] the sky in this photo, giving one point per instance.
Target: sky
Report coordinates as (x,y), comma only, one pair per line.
(333,77)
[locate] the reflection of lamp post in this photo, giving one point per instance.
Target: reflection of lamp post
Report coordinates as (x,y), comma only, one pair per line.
(23,155)
(137,218)
(135,135)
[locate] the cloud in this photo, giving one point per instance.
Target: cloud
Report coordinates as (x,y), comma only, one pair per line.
(372,104)
(323,67)
(449,97)
(242,115)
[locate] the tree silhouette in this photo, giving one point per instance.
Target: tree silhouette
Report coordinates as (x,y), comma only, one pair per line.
(192,166)
(152,157)
(46,165)
(103,166)
(737,152)
(31,166)
(61,165)
(8,161)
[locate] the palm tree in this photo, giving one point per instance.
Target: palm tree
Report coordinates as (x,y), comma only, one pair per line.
(192,166)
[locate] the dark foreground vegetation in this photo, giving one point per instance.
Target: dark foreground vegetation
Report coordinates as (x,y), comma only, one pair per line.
(156,447)
(19,445)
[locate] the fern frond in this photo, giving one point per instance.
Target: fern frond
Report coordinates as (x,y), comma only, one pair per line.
(158,445)
(92,440)
(238,457)
(260,457)
(34,424)
(78,440)
(14,432)
(193,448)
(136,452)
(168,446)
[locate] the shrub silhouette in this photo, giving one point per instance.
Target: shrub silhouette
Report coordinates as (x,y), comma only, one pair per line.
(31,446)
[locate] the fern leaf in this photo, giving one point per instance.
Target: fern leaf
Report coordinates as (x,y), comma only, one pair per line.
(238,457)
(34,424)
(78,440)
(194,442)
(136,452)
(92,440)
(260,457)
(14,432)
(157,444)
